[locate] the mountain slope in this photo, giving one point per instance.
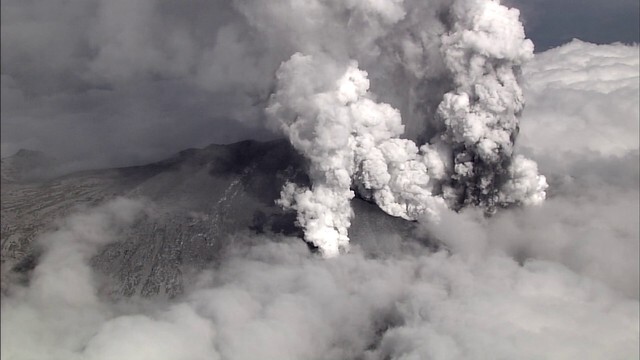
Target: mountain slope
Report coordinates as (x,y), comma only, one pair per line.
(203,200)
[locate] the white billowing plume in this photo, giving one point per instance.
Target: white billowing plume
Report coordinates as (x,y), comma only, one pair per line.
(524,185)
(347,136)
(482,51)
(318,125)
(331,113)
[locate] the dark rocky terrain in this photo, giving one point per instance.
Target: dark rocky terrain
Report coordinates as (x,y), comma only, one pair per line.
(204,200)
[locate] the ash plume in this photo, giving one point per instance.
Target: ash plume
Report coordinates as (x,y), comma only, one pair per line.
(355,139)
(483,51)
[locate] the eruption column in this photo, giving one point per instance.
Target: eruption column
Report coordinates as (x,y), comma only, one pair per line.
(324,105)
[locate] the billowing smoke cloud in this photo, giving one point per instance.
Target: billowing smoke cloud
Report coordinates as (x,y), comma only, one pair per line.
(483,51)
(346,135)
(276,300)
(577,93)
(324,104)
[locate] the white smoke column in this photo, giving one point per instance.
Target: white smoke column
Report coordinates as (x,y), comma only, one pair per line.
(313,114)
(323,104)
(483,51)
(391,171)
(346,135)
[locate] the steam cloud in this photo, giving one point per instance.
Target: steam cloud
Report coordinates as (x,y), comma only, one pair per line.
(324,103)
(274,300)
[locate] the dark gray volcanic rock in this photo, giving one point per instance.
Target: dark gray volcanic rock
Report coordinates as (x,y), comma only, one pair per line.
(204,200)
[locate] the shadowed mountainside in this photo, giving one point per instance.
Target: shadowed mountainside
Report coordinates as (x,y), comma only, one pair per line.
(203,200)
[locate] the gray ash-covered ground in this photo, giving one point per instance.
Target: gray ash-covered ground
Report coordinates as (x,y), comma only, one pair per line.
(203,200)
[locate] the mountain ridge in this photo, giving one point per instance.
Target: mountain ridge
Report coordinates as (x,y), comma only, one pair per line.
(206,196)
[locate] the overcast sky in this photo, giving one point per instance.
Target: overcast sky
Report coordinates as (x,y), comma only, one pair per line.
(550,23)
(109,83)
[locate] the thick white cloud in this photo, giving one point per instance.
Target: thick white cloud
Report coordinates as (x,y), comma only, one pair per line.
(581,124)
(582,97)
(277,301)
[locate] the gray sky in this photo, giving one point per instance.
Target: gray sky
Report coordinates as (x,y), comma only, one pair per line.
(550,23)
(107,83)
(122,82)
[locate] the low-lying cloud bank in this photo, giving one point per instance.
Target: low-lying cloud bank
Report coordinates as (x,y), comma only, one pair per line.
(582,127)
(559,281)
(278,301)
(582,98)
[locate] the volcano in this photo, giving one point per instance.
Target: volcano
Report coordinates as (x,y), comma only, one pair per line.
(205,199)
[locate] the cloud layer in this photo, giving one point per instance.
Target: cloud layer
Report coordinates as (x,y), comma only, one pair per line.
(277,301)
(583,98)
